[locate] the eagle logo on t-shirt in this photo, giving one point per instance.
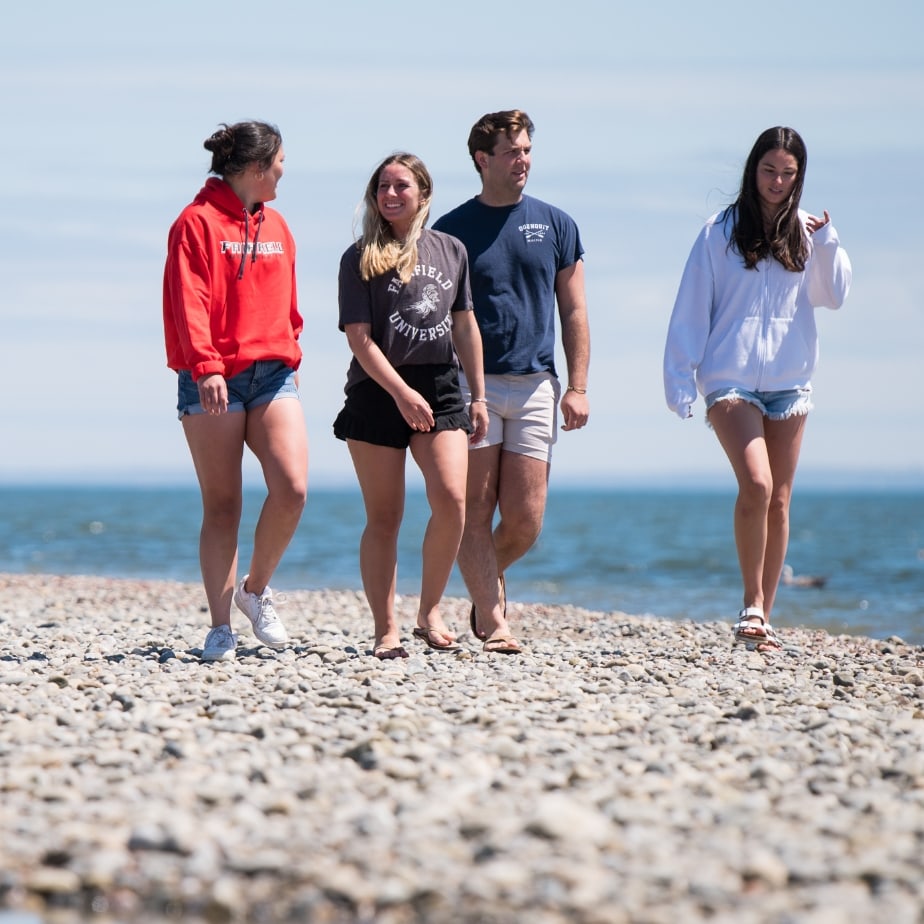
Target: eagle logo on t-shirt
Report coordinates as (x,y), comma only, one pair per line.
(428,303)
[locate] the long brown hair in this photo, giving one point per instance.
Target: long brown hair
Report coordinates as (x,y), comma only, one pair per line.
(785,241)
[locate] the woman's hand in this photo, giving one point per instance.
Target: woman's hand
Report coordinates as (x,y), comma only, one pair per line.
(813,222)
(213,393)
(415,410)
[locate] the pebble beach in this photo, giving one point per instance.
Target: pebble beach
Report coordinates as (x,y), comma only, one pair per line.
(622,770)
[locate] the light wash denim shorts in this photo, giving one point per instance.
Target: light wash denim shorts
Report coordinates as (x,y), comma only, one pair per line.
(264,381)
(774,405)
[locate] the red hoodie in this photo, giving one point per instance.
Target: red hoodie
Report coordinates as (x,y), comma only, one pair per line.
(229,286)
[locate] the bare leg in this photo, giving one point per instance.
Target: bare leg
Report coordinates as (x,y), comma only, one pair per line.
(516,485)
(477,556)
(216,444)
(784,443)
(521,498)
(763,455)
(380,470)
(276,435)
(740,429)
(443,460)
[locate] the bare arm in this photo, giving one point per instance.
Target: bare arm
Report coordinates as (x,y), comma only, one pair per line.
(413,406)
(466,338)
(575,338)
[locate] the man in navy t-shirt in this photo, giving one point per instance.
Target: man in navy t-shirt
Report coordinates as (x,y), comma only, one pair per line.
(524,256)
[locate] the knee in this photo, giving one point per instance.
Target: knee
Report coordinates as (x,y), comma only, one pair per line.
(779,506)
(521,529)
(291,494)
(755,495)
(479,512)
(449,511)
(298,496)
(383,525)
(222,511)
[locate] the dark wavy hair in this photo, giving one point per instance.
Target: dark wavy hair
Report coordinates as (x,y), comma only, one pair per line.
(235,147)
(487,131)
(785,241)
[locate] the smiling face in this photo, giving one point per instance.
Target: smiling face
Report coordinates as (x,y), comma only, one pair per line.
(776,175)
(505,170)
(398,198)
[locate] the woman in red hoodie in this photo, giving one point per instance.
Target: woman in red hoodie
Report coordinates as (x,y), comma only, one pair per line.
(231,325)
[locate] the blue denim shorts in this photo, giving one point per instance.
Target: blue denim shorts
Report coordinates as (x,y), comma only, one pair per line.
(264,381)
(774,405)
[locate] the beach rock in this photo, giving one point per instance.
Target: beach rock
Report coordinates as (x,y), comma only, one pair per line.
(615,773)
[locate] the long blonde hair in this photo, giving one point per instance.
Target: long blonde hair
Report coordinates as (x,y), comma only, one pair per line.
(379,251)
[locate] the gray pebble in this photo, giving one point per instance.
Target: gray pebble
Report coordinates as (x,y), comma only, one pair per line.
(620,771)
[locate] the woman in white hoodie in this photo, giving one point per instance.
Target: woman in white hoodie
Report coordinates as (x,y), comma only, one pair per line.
(742,334)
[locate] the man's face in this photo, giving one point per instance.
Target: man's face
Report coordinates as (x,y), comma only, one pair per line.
(506,169)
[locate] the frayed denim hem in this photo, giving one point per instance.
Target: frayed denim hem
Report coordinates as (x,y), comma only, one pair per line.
(774,405)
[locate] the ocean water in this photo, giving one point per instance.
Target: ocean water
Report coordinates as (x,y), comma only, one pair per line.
(668,553)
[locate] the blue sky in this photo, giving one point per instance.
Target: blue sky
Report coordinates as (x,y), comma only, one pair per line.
(644,115)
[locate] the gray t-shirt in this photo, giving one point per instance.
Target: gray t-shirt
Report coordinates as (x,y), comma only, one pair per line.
(412,323)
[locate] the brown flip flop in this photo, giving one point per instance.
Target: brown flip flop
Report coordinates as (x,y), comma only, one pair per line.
(427,636)
(502,644)
(472,615)
(384,653)
(474,624)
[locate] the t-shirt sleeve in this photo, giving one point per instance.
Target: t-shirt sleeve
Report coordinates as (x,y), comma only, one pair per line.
(571,250)
(354,294)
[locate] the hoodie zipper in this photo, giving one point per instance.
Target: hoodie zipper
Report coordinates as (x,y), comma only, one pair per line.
(764,327)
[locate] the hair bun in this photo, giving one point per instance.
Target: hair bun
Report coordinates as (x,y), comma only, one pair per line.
(220,142)
(234,147)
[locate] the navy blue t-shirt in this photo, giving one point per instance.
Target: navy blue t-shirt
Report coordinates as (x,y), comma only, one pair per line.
(515,253)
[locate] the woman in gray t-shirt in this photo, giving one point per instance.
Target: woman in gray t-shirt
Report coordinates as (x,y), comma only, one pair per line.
(406,309)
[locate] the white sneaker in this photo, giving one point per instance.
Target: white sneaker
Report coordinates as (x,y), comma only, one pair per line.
(259,610)
(219,644)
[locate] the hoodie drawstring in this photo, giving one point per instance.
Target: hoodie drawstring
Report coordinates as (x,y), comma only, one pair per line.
(256,238)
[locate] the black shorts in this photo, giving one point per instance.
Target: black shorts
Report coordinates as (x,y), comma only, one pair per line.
(371,415)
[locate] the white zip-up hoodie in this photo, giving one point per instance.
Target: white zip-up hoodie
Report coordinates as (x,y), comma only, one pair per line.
(754,329)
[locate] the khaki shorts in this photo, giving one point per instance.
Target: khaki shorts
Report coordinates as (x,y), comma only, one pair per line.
(522,413)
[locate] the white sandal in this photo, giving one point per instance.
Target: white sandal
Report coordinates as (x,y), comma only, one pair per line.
(755,637)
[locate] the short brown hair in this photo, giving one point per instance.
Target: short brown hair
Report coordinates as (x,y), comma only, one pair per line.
(487,130)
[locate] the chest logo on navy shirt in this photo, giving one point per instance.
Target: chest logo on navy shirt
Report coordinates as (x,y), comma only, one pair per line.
(534,234)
